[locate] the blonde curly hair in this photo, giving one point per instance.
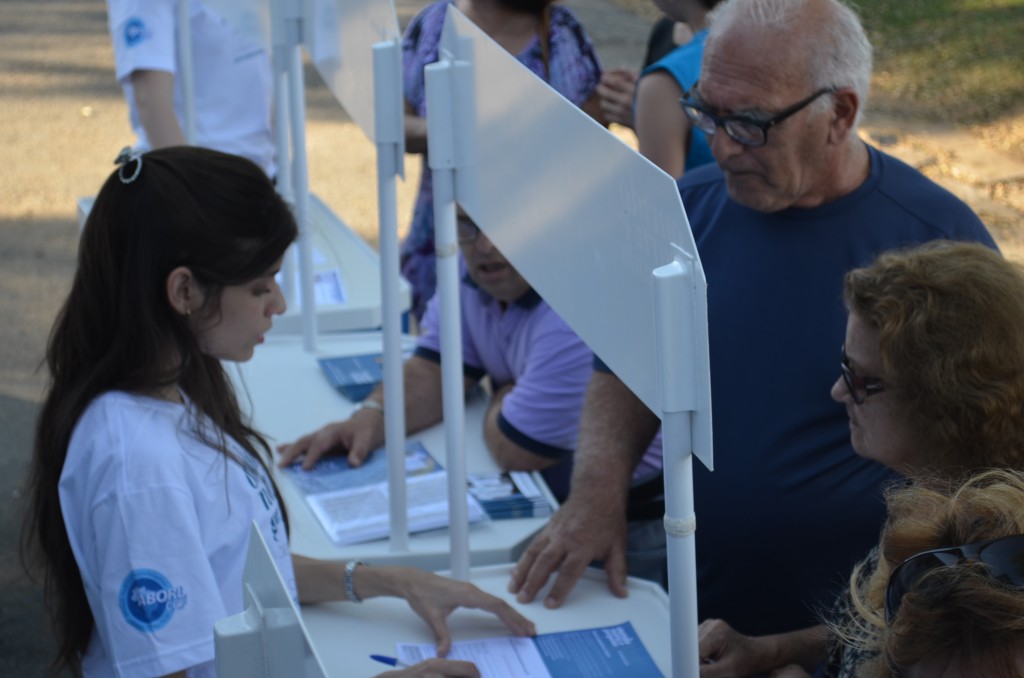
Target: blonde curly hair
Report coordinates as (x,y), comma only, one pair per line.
(957,613)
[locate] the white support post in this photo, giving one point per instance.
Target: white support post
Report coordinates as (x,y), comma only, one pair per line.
(188,87)
(441,126)
(280,59)
(676,338)
(290,18)
(389,132)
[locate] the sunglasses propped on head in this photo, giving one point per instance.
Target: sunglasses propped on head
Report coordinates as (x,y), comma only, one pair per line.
(1003,557)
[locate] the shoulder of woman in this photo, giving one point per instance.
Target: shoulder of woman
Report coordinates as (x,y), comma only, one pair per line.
(132,428)
(121,443)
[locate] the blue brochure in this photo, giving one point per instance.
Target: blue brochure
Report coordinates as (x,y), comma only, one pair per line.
(588,653)
(355,376)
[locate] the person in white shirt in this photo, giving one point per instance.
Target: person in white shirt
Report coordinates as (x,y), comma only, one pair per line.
(145,475)
(233,84)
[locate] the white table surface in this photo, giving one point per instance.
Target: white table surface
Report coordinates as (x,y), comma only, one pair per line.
(346,634)
(288,396)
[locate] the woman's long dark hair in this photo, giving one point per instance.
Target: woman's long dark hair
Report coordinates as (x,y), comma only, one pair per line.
(220,216)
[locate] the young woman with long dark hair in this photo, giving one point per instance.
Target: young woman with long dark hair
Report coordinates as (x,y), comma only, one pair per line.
(146,476)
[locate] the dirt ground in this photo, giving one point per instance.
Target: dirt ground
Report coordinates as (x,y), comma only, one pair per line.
(63,120)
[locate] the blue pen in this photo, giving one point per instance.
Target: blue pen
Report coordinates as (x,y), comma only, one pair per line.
(390,661)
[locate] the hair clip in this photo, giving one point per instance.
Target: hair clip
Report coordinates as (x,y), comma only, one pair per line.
(123,159)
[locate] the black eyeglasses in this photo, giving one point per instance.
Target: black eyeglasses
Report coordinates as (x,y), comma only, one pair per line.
(1004,558)
(861,388)
(742,128)
(466,230)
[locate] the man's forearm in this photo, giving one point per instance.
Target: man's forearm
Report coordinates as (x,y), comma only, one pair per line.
(807,647)
(422,394)
(615,430)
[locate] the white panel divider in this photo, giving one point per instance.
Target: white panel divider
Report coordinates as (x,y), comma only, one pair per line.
(601,234)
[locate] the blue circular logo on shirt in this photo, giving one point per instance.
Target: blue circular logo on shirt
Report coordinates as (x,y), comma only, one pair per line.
(148,601)
(134,31)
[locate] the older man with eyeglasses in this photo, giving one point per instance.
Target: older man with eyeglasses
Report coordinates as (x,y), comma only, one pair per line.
(795,199)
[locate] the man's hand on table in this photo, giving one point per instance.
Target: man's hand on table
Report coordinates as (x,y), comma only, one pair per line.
(356,437)
(581,531)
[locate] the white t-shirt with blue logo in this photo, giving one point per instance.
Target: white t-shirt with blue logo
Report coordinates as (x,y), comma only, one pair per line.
(159,524)
(233,84)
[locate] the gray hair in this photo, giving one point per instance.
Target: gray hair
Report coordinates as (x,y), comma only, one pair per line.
(839,51)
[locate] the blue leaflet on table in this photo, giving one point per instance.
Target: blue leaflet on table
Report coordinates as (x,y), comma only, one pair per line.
(335,473)
(503,497)
(355,376)
(607,651)
(584,653)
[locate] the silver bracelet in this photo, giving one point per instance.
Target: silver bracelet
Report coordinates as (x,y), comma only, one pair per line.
(350,589)
(369,404)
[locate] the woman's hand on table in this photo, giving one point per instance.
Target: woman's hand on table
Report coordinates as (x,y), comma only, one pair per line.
(434,598)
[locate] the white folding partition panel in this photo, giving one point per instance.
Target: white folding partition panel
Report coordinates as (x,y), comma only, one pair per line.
(587,221)
(581,215)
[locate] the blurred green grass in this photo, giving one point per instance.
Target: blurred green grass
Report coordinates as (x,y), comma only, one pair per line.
(958,61)
(954,61)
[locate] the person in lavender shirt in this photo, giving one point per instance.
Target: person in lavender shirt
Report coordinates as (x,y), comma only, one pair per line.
(546,37)
(538,370)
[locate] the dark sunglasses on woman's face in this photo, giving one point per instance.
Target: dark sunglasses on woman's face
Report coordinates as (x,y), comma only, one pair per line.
(1004,558)
(861,388)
